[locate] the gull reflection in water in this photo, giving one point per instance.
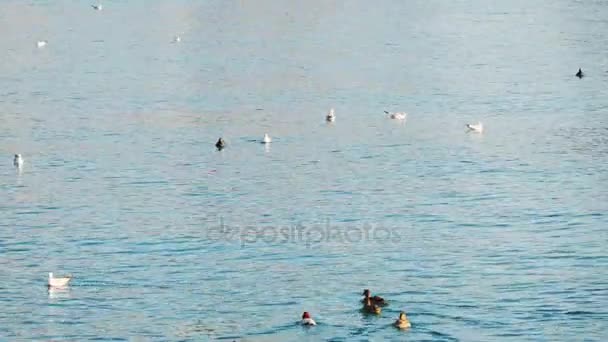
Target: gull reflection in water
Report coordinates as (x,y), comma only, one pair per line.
(59,292)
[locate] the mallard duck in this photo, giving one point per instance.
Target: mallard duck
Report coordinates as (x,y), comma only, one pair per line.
(220,144)
(478,127)
(58,281)
(370,307)
(375,299)
(402,322)
(331,116)
(307,320)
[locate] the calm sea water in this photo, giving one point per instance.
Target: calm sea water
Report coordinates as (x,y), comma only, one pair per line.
(478,237)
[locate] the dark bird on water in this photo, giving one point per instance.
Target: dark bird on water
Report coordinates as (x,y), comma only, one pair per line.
(220,144)
(580,74)
(376,300)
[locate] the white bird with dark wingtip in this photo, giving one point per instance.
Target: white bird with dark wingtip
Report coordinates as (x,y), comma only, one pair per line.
(267,139)
(41,43)
(397,115)
(58,281)
(331,116)
(97,7)
(18,161)
(478,127)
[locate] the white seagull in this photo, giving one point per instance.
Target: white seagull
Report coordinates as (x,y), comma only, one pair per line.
(478,127)
(59,281)
(397,115)
(18,161)
(97,7)
(266,139)
(41,43)
(331,116)
(177,39)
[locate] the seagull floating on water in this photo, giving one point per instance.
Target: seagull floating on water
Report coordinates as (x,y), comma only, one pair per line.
(580,74)
(478,127)
(220,144)
(266,139)
(59,281)
(397,115)
(41,43)
(97,7)
(177,39)
(18,161)
(331,116)
(307,320)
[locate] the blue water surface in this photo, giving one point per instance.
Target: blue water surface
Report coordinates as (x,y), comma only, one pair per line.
(500,236)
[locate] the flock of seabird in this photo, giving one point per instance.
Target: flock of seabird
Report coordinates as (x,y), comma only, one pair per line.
(331,117)
(371,305)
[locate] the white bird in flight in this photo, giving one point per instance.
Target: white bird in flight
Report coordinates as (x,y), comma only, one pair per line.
(41,43)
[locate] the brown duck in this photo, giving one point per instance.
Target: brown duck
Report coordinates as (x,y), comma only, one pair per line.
(370,307)
(402,322)
(377,300)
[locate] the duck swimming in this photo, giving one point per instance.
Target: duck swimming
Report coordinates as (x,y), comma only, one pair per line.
(307,320)
(580,74)
(220,144)
(370,307)
(377,300)
(18,161)
(331,116)
(402,322)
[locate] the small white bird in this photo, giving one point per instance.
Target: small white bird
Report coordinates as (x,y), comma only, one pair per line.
(177,39)
(18,161)
(478,127)
(397,115)
(97,7)
(307,320)
(266,139)
(331,116)
(41,43)
(59,281)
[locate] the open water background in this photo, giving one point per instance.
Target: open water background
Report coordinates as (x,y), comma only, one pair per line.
(478,237)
